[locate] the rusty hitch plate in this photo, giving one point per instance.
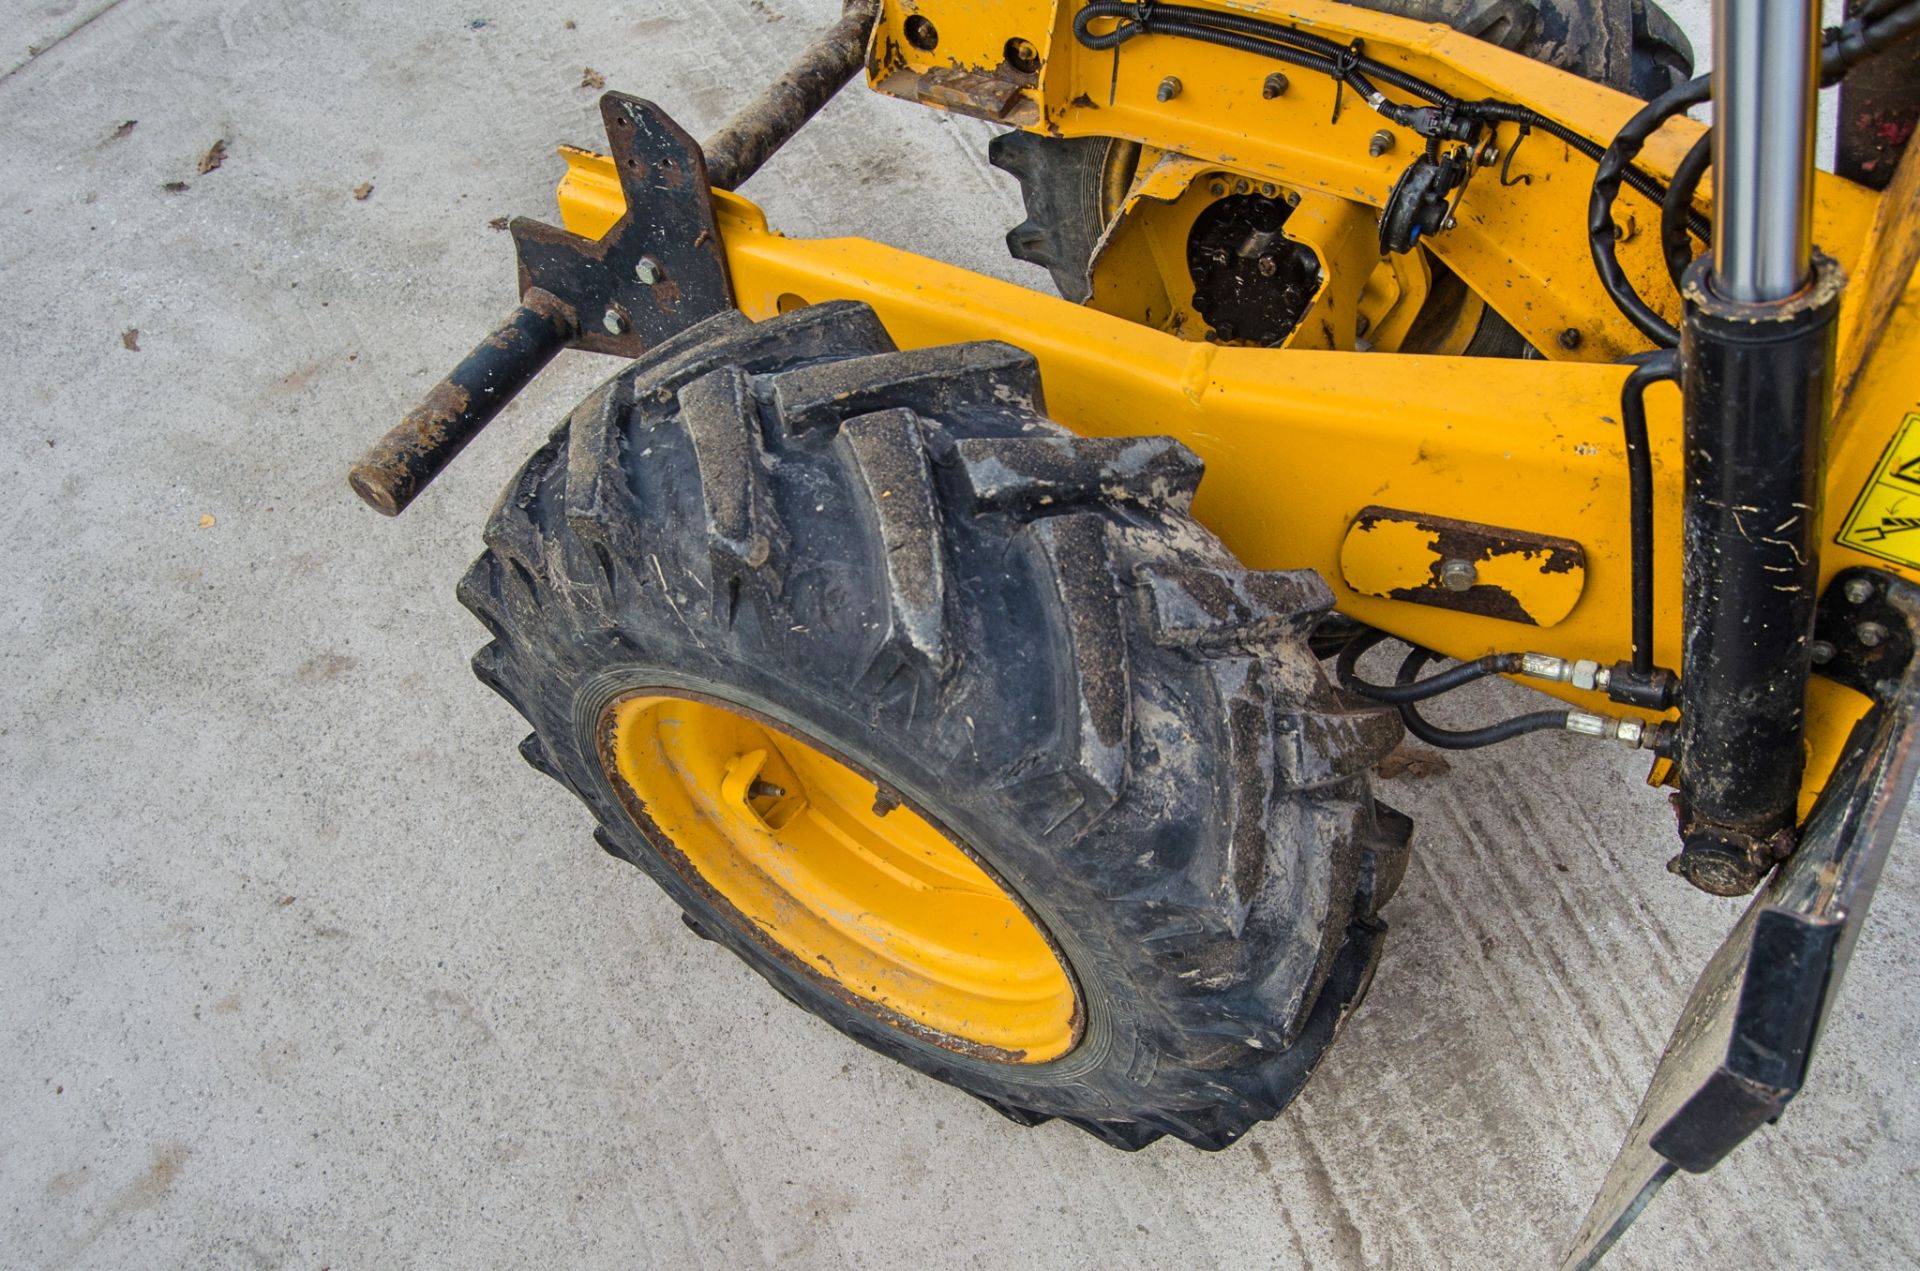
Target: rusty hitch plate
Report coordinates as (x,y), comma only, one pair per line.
(661,268)
(657,271)
(1746,1035)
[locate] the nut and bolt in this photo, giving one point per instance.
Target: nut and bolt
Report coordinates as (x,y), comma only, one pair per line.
(1379,143)
(1241,187)
(1274,85)
(1169,89)
(1489,155)
(1267,266)
(1859,591)
(1022,56)
(1821,652)
(1218,189)
(614,321)
(1570,339)
(1458,575)
(1583,673)
(1269,189)
(648,270)
(1870,634)
(1449,223)
(1630,732)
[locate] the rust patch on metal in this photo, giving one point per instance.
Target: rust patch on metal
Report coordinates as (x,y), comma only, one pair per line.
(1519,576)
(961,90)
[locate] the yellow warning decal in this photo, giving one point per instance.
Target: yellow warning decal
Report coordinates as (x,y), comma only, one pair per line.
(1885,520)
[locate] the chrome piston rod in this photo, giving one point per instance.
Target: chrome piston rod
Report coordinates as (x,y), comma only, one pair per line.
(1766,61)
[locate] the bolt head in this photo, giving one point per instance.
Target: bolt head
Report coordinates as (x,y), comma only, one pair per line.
(1448,223)
(1870,634)
(648,270)
(1379,143)
(1267,266)
(614,322)
(1218,189)
(1821,652)
(1274,85)
(1169,89)
(1458,575)
(1489,155)
(1859,591)
(1570,339)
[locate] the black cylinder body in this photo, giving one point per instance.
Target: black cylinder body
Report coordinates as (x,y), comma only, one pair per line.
(1757,380)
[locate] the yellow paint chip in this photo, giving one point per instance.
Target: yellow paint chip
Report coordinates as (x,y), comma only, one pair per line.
(207,521)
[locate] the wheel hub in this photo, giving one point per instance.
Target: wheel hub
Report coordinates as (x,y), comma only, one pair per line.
(835,874)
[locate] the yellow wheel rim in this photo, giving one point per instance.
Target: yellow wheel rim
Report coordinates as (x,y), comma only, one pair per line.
(895,916)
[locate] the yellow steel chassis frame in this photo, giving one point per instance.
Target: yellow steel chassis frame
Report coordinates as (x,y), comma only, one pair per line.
(1299,440)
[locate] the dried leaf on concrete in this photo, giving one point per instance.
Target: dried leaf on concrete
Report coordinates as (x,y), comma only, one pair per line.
(590,78)
(1417,764)
(130,339)
(215,156)
(362,190)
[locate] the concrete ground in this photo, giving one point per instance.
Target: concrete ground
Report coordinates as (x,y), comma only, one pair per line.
(301,967)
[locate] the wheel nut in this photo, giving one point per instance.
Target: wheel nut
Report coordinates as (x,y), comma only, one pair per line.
(615,322)
(1169,89)
(1458,575)
(647,270)
(1379,143)
(1870,633)
(1859,591)
(1275,85)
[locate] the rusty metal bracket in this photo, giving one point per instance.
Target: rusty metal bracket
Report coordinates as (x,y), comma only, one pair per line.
(661,268)
(657,271)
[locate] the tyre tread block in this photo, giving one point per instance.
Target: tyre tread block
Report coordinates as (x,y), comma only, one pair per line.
(723,424)
(939,383)
(1032,476)
(888,457)
(1073,554)
(1210,610)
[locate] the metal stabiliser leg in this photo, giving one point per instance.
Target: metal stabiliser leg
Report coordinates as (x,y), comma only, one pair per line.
(660,269)
(1756,360)
(1756,372)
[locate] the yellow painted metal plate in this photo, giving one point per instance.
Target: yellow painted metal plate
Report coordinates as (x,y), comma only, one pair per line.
(1885,520)
(1511,575)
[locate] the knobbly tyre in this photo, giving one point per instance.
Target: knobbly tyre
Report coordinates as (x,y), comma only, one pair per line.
(880,612)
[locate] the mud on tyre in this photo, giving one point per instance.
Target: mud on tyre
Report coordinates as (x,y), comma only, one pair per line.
(1016,635)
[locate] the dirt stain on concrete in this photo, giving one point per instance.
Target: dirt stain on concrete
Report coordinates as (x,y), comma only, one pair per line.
(145,1192)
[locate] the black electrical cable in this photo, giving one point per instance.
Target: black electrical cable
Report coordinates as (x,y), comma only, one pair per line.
(1474,738)
(1607,177)
(1345,666)
(1338,61)
(1675,242)
(1649,369)
(1842,48)
(1407,690)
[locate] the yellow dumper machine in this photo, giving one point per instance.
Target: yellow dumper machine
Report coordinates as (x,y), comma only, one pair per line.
(881,613)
